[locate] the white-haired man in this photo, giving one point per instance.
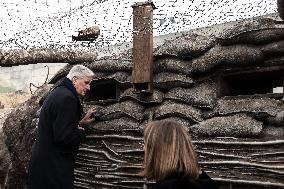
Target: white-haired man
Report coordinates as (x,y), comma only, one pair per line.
(60,131)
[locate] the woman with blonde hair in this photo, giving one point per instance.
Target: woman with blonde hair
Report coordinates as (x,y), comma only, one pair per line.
(170,158)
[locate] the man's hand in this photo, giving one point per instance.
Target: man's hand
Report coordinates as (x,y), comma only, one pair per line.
(87,118)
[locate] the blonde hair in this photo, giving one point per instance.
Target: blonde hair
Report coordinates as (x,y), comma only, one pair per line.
(168,150)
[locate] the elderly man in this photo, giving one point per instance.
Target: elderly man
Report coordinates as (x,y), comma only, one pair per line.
(60,131)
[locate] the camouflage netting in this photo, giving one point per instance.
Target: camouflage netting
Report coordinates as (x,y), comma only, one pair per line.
(239,138)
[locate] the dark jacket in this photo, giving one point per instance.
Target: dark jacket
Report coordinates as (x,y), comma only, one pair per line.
(57,141)
(177,182)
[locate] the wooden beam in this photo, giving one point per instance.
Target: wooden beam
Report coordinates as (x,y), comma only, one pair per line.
(142,74)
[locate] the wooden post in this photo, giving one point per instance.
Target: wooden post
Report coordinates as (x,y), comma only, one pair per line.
(142,73)
(280,8)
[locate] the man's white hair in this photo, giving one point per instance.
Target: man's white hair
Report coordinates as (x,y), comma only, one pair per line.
(80,71)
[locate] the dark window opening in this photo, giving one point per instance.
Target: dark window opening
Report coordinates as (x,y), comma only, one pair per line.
(266,81)
(142,87)
(103,90)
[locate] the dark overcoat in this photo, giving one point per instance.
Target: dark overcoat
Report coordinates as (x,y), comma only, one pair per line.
(57,141)
(177,182)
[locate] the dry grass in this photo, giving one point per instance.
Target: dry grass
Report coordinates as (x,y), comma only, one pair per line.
(11,100)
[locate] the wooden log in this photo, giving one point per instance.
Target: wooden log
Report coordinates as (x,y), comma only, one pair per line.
(16,57)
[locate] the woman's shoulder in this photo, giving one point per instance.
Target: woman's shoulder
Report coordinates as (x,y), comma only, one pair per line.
(205,179)
(175,182)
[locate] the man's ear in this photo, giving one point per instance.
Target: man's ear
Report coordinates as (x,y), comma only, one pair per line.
(74,79)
